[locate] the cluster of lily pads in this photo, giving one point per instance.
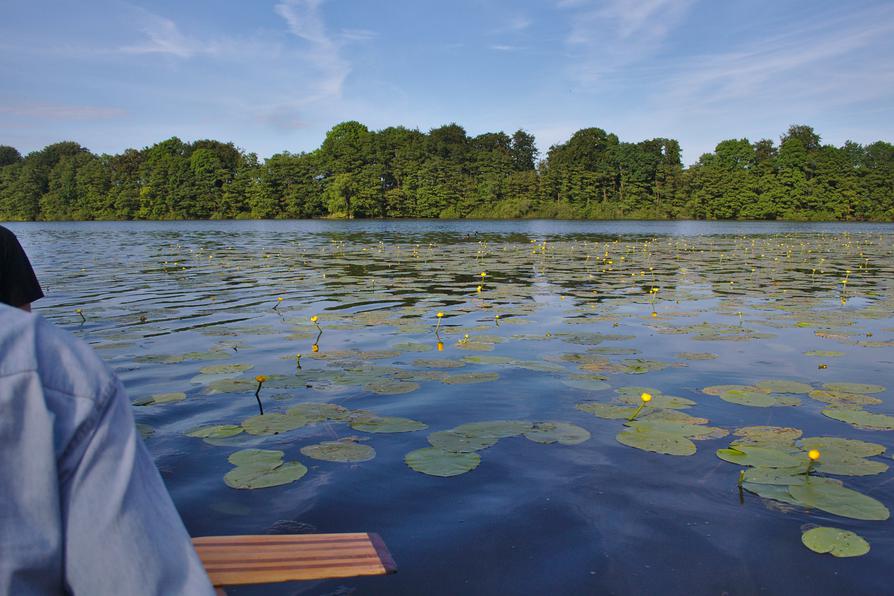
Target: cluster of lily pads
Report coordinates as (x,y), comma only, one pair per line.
(455,451)
(218,298)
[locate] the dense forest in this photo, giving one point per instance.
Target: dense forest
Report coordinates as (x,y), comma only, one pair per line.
(398,172)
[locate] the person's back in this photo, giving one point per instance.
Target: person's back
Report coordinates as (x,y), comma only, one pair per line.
(82,506)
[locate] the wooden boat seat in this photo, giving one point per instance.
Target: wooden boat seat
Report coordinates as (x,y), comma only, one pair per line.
(262,559)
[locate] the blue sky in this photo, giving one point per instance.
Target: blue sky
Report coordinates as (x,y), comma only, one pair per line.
(275,75)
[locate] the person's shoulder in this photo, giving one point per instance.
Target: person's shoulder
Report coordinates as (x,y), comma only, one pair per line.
(6,236)
(63,363)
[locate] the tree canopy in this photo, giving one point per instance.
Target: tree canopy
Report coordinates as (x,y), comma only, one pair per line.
(399,172)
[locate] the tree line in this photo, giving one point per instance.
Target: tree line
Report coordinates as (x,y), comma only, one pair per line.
(400,172)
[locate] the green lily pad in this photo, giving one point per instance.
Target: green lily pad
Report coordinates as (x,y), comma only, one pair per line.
(252,477)
(850,446)
(656,441)
(220,431)
(718,390)
(469,378)
(771,491)
(438,363)
(145,430)
(318,412)
(437,462)
(386,424)
(339,451)
(658,401)
(861,418)
(832,497)
(757,399)
(762,457)
(609,411)
(386,387)
(843,399)
(696,355)
(824,353)
(684,429)
(557,432)
(777,476)
(783,435)
(225,369)
(231,386)
(412,347)
(160,398)
(263,458)
(835,541)
(496,429)
(783,386)
(853,387)
(457,442)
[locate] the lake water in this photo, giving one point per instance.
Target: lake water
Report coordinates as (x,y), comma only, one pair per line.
(567,316)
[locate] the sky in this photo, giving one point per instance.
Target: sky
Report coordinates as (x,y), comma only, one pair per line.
(274,76)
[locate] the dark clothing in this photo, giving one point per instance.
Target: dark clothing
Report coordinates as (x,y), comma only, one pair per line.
(18,284)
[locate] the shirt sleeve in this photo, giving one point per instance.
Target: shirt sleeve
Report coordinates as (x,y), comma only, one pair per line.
(123,534)
(18,284)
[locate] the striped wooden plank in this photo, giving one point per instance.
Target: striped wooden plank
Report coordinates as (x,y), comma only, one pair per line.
(262,559)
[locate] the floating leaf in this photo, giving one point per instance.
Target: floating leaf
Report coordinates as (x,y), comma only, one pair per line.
(438,363)
(437,462)
(843,399)
(763,457)
(777,476)
(220,431)
(837,542)
(264,458)
(853,387)
(656,441)
(658,401)
(386,424)
(696,355)
(496,429)
(251,477)
(768,434)
(832,497)
(824,353)
(469,378)
(318,412)
(757,399)
(386,387)
(225,369)
(557,432)
(861,418)
(771,491)
(160,398)
(609,411)
(851,446)
(783,386)
(586,382)
(457,442)
(339,451)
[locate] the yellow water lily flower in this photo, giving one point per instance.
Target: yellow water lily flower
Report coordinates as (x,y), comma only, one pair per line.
(261,379)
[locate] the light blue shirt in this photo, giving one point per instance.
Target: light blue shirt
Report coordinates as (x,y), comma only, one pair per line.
(82,506)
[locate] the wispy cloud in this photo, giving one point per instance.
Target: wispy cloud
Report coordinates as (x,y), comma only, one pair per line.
(61,112)
(163,37)
(305,21)
(607,36)
(803,62)
(504,48)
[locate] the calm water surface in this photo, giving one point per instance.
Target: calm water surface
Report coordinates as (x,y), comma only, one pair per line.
(165,299)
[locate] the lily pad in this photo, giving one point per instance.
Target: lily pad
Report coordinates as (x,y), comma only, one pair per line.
(160,398)
(387,387)
(220,431)
(861,418)
(339,451)
(457,442)
(386,424)
(609,411)
(832,497)
(783,386)
(850,446)
(763,457)
(318,412)
(225,369)
(777,476)
(272,424)
(496,429)
(835,541)
(843,399)
(853,387)
(586,382)
(824,353)
(757,399)
(768,434)
(437,462)
(656,441)
(252,477)
(557,432)
(469,378)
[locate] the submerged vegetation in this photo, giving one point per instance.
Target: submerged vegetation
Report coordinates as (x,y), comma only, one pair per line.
(445,173)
